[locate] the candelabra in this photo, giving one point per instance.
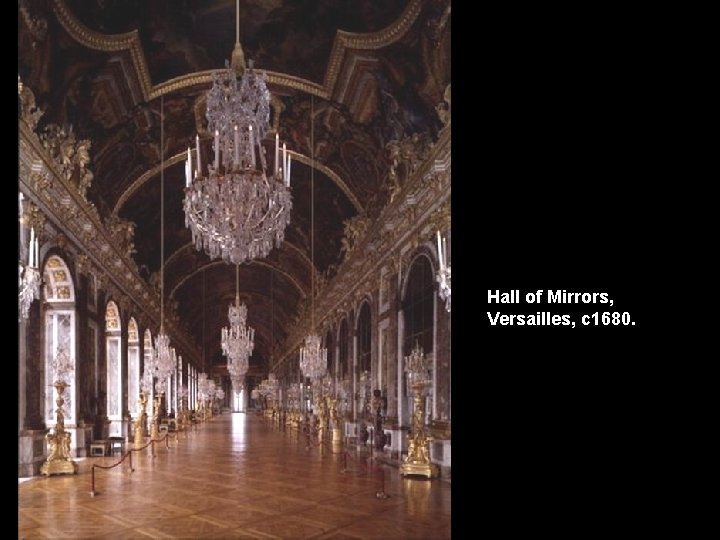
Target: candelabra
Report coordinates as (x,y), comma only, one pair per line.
(155,425)
(202,391)
(443,274)
(220,396)
(417,461)
(183,420)
(141,420)
(59,460)
(29,275)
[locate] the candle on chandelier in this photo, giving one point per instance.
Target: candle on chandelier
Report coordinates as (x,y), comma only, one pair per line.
(277,151)
(188,169)
(217,150)
(37,252)
(287,173)
(444,252)
(197,150)
(22,219)
(440,255)
(236,147)
(32,246)
(252,145)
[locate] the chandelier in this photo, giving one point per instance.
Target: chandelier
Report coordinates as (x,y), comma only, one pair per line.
(164,361)
(268,387)
(202,386)
(29,274)
(237,340)
(443,274)
(239,209)
(313,357)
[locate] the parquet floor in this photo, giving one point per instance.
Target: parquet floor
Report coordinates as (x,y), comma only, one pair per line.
(233,477)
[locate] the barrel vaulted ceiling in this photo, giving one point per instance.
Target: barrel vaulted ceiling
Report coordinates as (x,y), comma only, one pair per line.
(375,71)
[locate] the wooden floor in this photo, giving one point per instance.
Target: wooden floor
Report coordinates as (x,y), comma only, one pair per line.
(233,477)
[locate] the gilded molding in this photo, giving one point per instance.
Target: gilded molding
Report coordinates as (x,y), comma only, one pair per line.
(34,218)
(82,264)
(106,42)
(371,41)
(30,113)
(131,41)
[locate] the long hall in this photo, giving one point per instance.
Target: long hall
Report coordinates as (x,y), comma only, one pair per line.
(235,476)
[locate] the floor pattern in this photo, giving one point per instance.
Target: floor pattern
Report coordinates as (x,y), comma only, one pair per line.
(234,476)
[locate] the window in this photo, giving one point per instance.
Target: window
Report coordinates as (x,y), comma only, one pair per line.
(330,351)
(343,346)
(418,306)
(147,360)
(113,342)
(133,367)
(364,338)
(59,293)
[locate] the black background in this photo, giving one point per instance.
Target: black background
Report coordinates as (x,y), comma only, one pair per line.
(549,156)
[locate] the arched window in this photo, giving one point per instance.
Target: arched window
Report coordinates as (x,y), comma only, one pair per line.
(113,347)
(133,367)
(364,338)
(59,295)
(330,350)
(343,352)
(418,307)
(147,362)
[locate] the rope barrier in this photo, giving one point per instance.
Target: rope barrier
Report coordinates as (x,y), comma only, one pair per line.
(128,455)
(310,432)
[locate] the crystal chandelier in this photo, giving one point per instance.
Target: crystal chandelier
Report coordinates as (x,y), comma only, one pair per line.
(29,274)
(313,357)
(164,360)
(268,387)
(237,340)
(238,210)
(202,386)
(443,274)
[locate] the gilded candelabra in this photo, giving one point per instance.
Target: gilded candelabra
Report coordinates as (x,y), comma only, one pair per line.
(417,461)
(337,435)
(59,460)
(184,416)
(155,426)
(141,421)
(321,414)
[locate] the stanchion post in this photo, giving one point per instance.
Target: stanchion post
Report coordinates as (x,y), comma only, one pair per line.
(92,474)
(381,494)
